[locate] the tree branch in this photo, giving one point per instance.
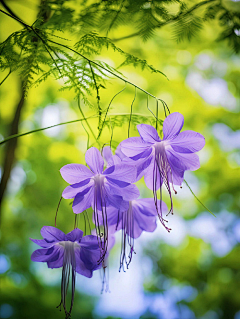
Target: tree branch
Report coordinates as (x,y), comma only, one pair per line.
(173,19)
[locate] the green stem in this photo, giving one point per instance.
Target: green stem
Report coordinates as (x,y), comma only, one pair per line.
(198,198)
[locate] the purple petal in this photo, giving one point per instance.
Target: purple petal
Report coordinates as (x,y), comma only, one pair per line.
(183,161)
(90,258)
(75,235)
(90,242)
(57,263)
(146,206)
(172,125)
(52,234)
(121,172)
(75,173)
(83,200)
(72,190)
(81,268)
(180,162)
(107,153)
(148,133)
(128,193)
(94,160)
(187,142)
(48,254)
(119,153)
(142,155)
(143,223)
(134,146)
(42,242)
(117,202)
(120,184)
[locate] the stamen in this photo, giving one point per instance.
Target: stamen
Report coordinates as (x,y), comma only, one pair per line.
(69,267)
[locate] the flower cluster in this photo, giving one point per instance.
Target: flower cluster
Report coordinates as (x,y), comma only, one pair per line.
(114,198)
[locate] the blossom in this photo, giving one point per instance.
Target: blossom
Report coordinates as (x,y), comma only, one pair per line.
(164,161)
(72,251)
(140,216)
(99,188)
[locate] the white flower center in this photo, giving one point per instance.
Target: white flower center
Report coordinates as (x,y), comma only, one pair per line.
(68,245)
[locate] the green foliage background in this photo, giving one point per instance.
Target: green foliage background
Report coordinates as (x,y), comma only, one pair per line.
(35,186)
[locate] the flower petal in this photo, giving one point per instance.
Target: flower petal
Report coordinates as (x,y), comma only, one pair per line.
(48,254)
(183,161)
(75,173)
(52,234)
(94,160)
(128,193)
(107,153)
(81,268)
(90,258)
(83,200)
(148,133)
(134,146)
(42,242)
(57,263)
(121,172)
(172,125)
(72,190)
(75,235)
(90,242)
(179,163)
(187,142)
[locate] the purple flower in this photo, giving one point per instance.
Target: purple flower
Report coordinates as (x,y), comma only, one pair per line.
(99,188)
(164,161)
(73,252)
(140,216)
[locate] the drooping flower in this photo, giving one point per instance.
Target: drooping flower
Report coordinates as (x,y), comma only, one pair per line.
(140,216)
(73,252)
(164,161)
(99,188)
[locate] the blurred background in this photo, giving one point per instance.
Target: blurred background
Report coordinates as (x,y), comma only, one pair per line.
(192,272)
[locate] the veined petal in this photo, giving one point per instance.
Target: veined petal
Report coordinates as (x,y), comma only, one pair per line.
(134,146)
(128,193)
(182,161)
(81,268)
(72,190)
(94,160)
(148,133)
(107,153)
(49,254)
(75,235)
(120,184)
(83,200)
(43,243)
(121,172)
(52,234)
(90,242)
(119,153)
(143,223)
(57,263)
(75,173)
(90,258)
(117,201)
(172,125)
(187,142)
